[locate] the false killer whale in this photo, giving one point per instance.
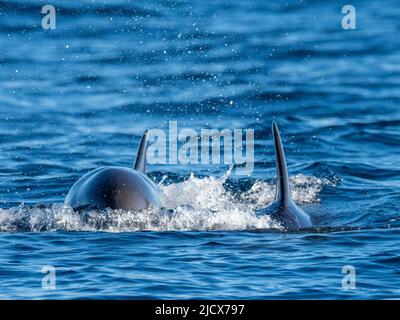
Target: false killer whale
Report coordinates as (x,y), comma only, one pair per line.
(117,187)
(283,209)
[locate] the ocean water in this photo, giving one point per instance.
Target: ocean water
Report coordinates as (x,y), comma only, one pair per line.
(80,96)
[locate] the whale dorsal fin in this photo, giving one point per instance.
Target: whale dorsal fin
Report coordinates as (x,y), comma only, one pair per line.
(283,208)
(140,163)
(282,181)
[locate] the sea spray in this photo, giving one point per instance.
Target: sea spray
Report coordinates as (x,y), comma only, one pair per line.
(194,204)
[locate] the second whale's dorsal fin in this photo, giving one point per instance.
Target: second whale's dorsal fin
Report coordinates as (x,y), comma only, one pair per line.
(282,181)
(141,162)
(283,208)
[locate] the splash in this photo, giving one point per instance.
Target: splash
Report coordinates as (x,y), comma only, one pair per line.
(304,190)
(195,204)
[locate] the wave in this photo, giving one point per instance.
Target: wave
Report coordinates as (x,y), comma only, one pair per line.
(196,204)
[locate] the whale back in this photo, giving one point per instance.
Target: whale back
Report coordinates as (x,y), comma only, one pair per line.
(117,187)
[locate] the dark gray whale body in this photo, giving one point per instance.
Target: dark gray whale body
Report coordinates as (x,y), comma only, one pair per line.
(283,208)
(116,187)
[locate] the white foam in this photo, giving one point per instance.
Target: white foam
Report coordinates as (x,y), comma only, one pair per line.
(194,204)
(304,190)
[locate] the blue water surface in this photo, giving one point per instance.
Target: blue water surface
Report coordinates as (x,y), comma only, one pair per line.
(80,96)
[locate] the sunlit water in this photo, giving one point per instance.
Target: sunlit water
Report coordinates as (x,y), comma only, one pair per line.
(79,97)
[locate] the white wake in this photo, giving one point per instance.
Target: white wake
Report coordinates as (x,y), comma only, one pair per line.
(195,204)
